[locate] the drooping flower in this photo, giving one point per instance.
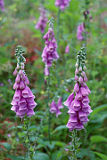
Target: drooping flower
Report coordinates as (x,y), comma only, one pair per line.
(2,5)
(50,51)
(67,49)
(62,4)
(78,101)
(55,107)
(80,31)
(23,100)
(41,24)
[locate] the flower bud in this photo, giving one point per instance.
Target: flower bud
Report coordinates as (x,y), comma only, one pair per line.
(76,65)
(22,65)
(80,68)
(84,68)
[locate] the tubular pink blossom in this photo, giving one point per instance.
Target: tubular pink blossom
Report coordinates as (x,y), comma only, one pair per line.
(23,100)
(69,100)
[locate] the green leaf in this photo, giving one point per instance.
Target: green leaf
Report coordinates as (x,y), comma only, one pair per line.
(57,155)
(59,128)
(15,158)
(60,144)
(33,128)
(6,145)
(86,152)
(97,139)
(41,156)
(103,156)
(22,134)
(99,118)
(52,145)
(98,109)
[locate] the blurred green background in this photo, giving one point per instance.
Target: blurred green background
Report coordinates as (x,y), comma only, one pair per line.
(17,26)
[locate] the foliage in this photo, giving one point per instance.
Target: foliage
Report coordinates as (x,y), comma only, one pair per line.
(17,26)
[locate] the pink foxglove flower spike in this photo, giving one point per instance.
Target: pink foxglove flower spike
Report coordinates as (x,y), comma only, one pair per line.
(62,4)
(41,24)
(23,100)
(50,51)
(78,101)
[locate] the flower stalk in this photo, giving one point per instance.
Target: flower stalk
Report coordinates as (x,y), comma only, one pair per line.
(58,25)
(48,56)
(23,100)
(49,113)
(74,145)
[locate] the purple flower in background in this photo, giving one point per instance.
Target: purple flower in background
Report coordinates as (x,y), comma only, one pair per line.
(50,51)
(78,101)
(10,82)
(41,24)
(23,100)
(2,5)
(9,135)
(67,49)
(62,4)
(55,108)
(80,31)
(1,84)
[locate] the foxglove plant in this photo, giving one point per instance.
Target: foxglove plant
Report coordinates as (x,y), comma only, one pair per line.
(50,51)
(62,4)
(78,101)
(23,100)
(41,24)
(2,5)
(49,55)
(55,108)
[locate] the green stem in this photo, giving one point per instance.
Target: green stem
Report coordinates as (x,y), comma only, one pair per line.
(74,145)
(65,67)
(58,24)
(16,134)
(74,149)
(42,41)
(86,22)
(27,138)
(49,114)
(100,19)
